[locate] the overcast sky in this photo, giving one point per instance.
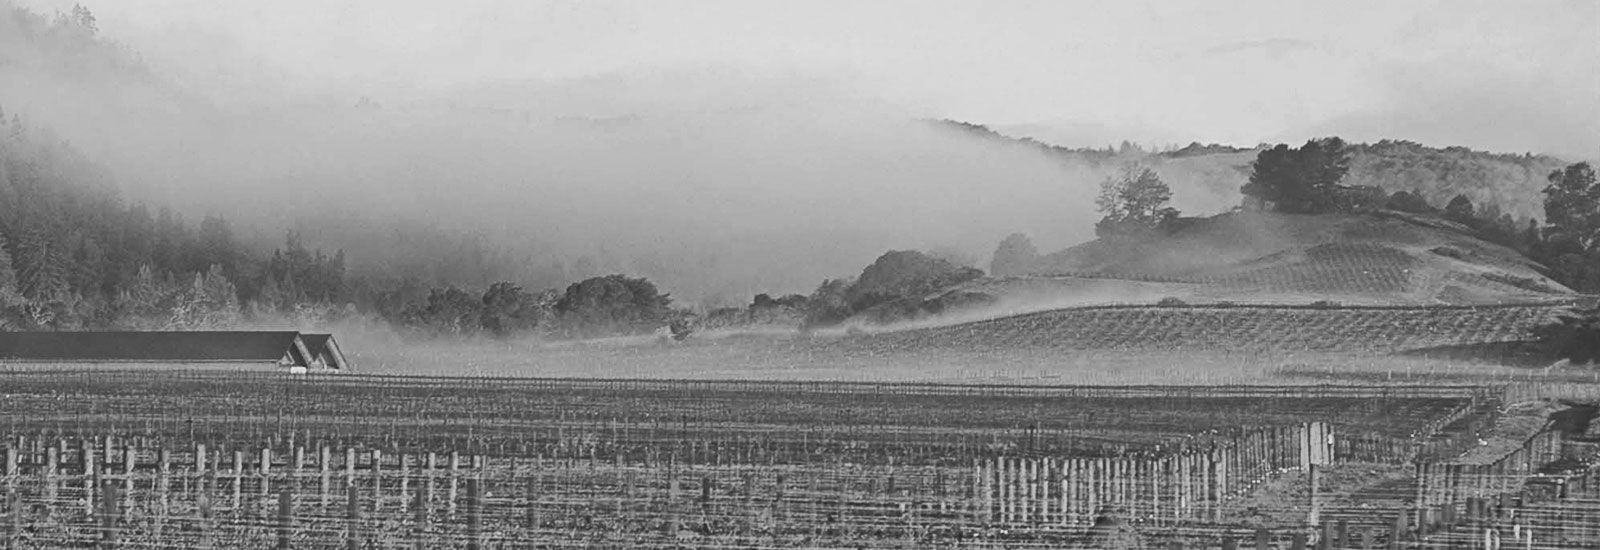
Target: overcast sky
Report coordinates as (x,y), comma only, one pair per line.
(1510,76)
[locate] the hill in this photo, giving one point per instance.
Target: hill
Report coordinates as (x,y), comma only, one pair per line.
(1376,258)
(1205,179)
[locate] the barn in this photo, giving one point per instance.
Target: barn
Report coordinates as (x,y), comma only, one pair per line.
(324,351)
(266,349)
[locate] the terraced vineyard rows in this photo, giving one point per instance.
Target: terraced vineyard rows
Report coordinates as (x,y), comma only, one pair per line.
(1237,328)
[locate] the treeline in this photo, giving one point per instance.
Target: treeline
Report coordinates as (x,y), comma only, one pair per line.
(1308,180)
(73,256)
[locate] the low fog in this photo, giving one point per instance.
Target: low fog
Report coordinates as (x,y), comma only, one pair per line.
(717,177)
(716,183)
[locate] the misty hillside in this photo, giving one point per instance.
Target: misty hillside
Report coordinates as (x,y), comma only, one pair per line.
(716,185)
(1373,258)
(1205,179)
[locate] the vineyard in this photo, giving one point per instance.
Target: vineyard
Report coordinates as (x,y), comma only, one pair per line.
(1369,330)
(190,459)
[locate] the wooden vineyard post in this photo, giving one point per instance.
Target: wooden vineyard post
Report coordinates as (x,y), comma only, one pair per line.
(377,480)
(531,499)
(419,528)
(405,478)
(285,517)
(352,516)
(1398,531)
(238,479)
(51,465)
(325,465)
(474,515)
(203,509)
(1263,539)
(110,514)
(13,519)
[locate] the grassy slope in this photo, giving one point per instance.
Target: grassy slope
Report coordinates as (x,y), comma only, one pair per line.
(1360,259)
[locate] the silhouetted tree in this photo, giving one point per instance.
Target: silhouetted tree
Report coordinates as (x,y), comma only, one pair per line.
(613,304)
(1134,202)
(1572,208)
(1460,210)
(1299,181)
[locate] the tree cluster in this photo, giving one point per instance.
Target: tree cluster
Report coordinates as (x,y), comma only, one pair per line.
(896,276)
(1300,180)
(73,256)
(1569,242)
(1134,203)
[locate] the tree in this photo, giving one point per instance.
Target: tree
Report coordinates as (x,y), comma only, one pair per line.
(1015,256)
(1574,336)
(900,274)
(84,19)
(613,304)
(43,268)
(828,304)
(9,294)
(1299,181)
(1406,201)
(1134,202)
(1460,210)
(209,303)
(449,310)
(1572,209)
(507,309)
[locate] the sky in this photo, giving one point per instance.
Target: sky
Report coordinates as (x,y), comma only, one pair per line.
(1507,76)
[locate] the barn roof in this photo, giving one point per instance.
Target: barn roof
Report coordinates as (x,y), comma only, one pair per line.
(323,346)
(154,346)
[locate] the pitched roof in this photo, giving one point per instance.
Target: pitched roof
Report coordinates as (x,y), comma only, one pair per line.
(322,346)
(153,346)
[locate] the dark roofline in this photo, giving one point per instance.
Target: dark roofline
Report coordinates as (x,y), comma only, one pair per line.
(155,347)
(323,344)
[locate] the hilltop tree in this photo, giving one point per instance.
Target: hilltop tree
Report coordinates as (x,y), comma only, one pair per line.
(1299,181)
(1134,202)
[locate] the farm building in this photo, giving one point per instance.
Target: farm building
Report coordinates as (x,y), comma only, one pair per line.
(324,351)
(266,349)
